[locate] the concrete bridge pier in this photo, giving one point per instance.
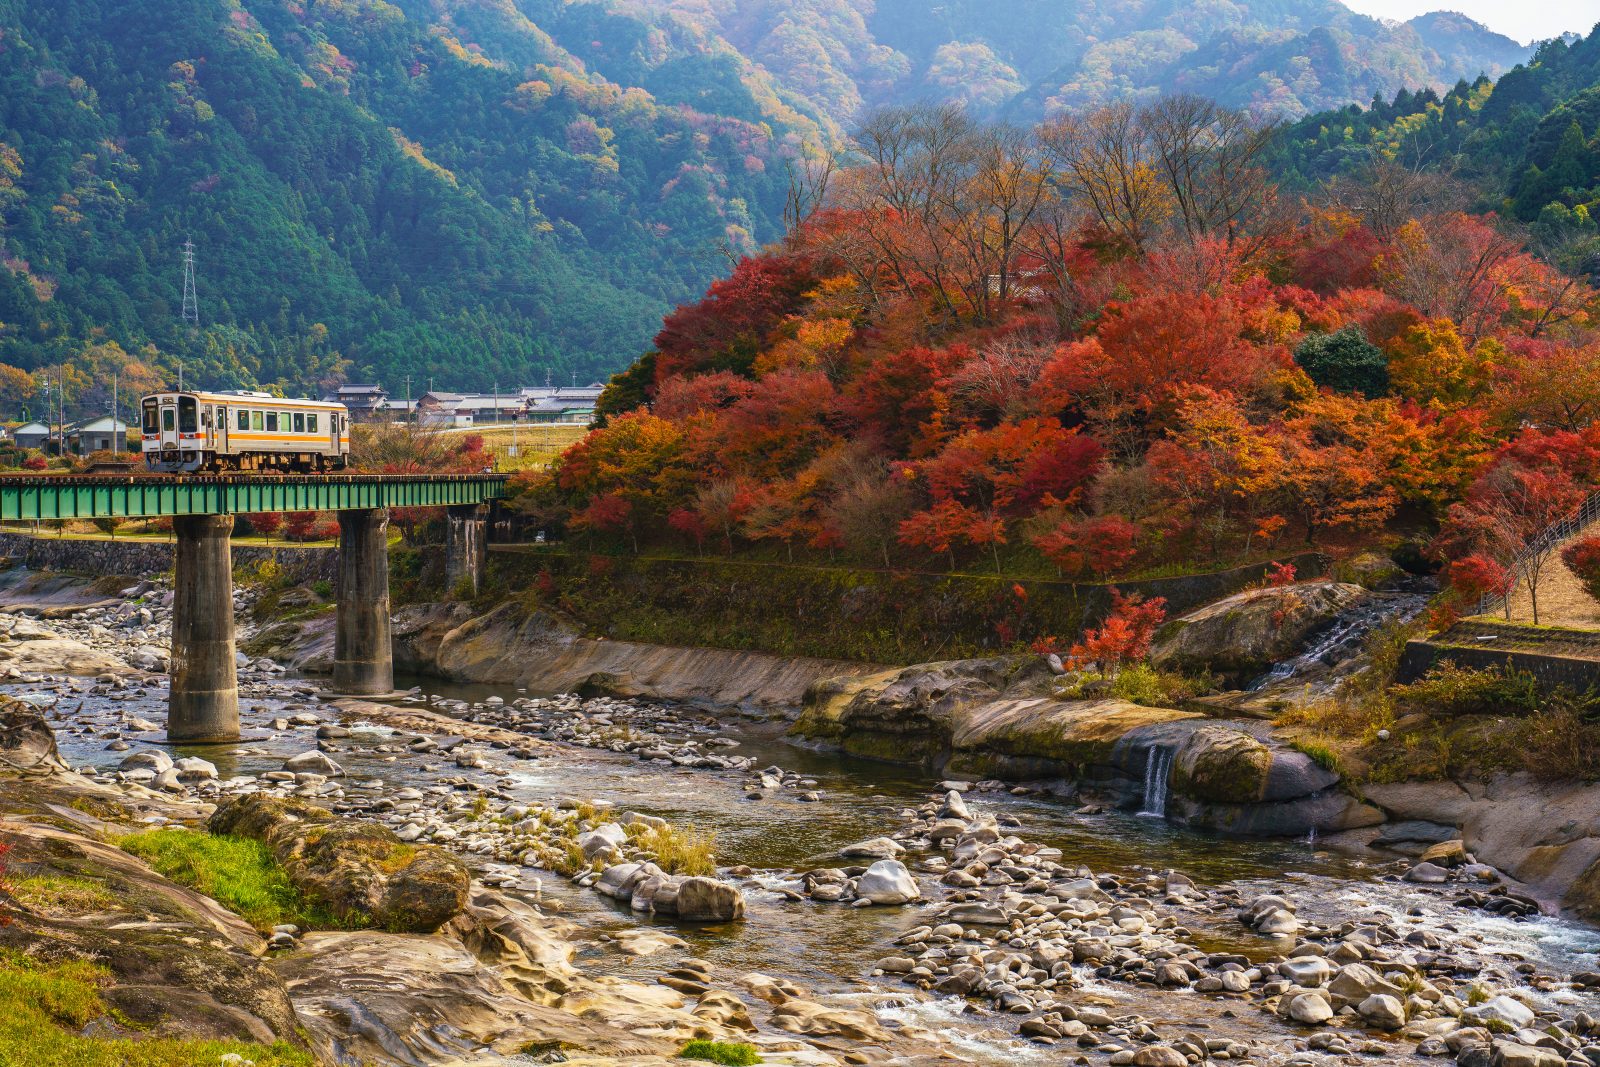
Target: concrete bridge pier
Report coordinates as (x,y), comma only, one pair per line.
(363,652)
(466,544)
(203,704)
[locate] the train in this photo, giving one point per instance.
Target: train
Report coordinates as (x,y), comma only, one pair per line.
(238,430)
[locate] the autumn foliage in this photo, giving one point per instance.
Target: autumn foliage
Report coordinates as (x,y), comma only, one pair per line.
(1045,352)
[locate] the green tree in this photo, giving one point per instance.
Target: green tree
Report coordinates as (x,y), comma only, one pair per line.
(1344,361)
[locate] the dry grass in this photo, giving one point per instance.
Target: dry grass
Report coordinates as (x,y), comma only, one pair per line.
(678,851)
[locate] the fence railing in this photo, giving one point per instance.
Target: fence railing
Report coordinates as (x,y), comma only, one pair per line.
(1588,513)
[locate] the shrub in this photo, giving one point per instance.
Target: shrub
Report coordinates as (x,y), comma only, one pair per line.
(1453,690)
(731,1054)
(1583,560)
(687,851)
(1125,635)
(1280,574)
(1558,744)
(35,463)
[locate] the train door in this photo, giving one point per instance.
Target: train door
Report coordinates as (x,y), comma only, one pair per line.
(169,424)
(219,431)
(334,430)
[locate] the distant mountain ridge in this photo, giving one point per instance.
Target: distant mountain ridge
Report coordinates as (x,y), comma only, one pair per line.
(1023,58)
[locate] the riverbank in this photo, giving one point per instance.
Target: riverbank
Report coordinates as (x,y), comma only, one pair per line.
(872,894)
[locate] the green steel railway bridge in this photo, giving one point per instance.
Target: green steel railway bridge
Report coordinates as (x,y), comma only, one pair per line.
(204,701)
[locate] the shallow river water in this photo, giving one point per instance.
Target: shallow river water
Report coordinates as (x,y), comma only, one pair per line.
(828,947)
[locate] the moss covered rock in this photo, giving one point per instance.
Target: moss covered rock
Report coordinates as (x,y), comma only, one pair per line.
(1218,765)
(360,871)
(1242,635)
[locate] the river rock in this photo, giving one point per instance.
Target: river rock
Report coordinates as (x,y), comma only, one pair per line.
(879,848)
(1244,634)
(608,837)
(708,900)
(1502,1009)
(1382,1011)
(1309,1009)
(146,759)
(315,762)
(193,767)
(1448,854)
(1514,1054)
(1159,1056)
(888,882)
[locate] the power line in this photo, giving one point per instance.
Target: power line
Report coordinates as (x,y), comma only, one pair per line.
(191,303)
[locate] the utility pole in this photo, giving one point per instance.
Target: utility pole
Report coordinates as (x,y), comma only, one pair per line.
(180,375)
(408,398)
(494,392)
(191,303)
(116,374)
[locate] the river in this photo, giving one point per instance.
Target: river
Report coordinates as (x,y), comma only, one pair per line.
(830,948)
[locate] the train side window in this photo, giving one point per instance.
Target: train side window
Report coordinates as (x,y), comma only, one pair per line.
(255,420)
(272,422)
(244,419)
(311,422)
(299,422)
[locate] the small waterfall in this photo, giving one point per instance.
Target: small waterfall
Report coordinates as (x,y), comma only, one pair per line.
(1157,768)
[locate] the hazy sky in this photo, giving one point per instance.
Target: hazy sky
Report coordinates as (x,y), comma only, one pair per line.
(1526,20)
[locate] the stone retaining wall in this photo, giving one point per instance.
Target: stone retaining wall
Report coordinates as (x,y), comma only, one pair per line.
(99,558)
(1422,656)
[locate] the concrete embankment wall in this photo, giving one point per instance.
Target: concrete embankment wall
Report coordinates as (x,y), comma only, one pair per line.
(860,615)
(546,654)
(99,558)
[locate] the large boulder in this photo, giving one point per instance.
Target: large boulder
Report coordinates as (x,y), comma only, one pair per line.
(707,900)
(1243,635)
(362,872)
(27,744)
(888,882)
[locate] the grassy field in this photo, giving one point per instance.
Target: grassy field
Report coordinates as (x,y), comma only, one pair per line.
(536,445)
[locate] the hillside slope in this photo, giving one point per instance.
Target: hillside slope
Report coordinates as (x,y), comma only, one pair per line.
(436,188)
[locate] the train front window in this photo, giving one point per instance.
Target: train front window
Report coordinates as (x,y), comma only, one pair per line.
(188,415)
(150,423)
(166,419)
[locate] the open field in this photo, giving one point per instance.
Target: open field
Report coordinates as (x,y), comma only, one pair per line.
(536,445)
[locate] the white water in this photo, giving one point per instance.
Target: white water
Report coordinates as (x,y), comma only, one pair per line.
(1157,768)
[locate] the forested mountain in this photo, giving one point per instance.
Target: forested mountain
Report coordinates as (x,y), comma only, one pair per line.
(1023,58)
(1529,143)
(440,188)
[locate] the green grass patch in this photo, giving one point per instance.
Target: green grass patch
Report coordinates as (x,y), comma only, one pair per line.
(240,874)
(43,1005)
(1322,755)
(724,1052)
(62,893)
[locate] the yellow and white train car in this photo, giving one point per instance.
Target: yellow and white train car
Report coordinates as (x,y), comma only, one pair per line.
(243,431)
